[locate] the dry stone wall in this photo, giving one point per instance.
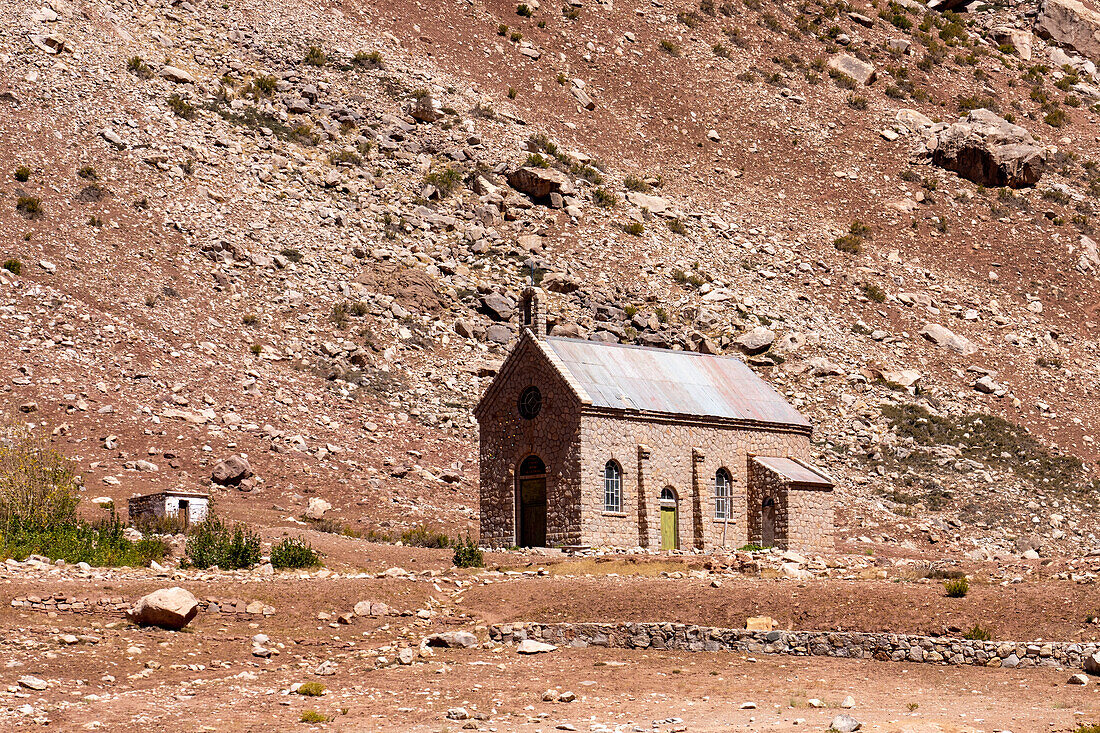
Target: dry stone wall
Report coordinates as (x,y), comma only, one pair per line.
(854,645)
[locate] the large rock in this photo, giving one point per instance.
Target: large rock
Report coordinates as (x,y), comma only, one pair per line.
(498,307)
(1071,23)
(426,108)
(452,640)
(941,336)
(177,75)
(168,608)
(861,71)
(756,341)
(845,723)
(655,204)
(530,646)
(1092,663)
(231,471)
(539,183)
(317,508)
(1018,39)
(987,149)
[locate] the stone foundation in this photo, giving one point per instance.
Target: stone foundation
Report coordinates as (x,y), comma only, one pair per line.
(851,645)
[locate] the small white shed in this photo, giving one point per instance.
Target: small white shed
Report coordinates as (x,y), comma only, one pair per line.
(190,506)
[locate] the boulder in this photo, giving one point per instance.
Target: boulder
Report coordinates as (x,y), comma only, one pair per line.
(426,108)
(530,646)
(1070,23)
(1018,39)
(760,623)
(655,204)
(168,608)
(177,75)
(539,183)
(559,282)
(941,336)
(988,150)
(451,640)
(756,341)
(231,471)
(861,71)
(845,723)
(1092,663)
(498,307)
(33,683)
(317,508)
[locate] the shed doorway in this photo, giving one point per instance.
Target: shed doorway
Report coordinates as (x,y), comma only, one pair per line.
(184,513)
(670,529)
(767,523)
(531,503)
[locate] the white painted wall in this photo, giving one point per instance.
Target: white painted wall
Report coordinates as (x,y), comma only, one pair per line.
(197,508)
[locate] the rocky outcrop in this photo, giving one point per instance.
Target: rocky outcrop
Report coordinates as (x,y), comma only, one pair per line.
(168,608)
(987,149)
(539,183)
(1071,23)
(861,71)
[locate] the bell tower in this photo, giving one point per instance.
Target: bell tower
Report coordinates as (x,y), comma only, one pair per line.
(531,313)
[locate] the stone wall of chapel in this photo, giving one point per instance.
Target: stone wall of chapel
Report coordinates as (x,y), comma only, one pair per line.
(506,439)
(670,463)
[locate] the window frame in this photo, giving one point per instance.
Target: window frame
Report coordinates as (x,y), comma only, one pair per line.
(612,487)
(722,504)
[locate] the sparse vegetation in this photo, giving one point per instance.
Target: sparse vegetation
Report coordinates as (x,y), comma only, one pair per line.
(311,689)
(13,266)
(670,48)
(956,587)
(137,66)
(292,254)
(373,59)
(676,226)
(314,717)
(213,543)
(873,292)
(635,228)
(633,183)
(446,181)
(294,553)
(181,107)
(29,206)
(468,555)
(422,536)
(315,56)
(977,633)
(603,197)
(849,244)
(524,11)
(22,173)
(88,173)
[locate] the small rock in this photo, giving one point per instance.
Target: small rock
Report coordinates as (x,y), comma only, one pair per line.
(33,683)
(530,646)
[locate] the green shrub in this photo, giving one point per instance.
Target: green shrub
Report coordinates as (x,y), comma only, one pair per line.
(88,173)
(720,51)
(676,226)
(29,206)
(312,716)
(214,543)
(670,48)
(956,587)
(849,243)
(873,292)
(311,689)
(603,197)
(977,633)
(181,107)
(857,102)
(13,266)
(362,58)
(23,173)
(137,66)
(1056,118)
(523,10)
(446,181)
(291,254)
(422,536)
(634,183)
(264,85)
(468,554)
(295,554)
(1088,728)
(635,228)
(315,56)
(535,160)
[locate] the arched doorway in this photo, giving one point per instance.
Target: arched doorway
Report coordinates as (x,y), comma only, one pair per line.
(767,523)
(670,527)
(531,503)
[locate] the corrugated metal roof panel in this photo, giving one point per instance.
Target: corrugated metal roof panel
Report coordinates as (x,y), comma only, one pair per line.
(793,470)
(676,382)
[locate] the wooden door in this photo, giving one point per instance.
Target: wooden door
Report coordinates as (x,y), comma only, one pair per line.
(767,524)
(532,512)
(184,512)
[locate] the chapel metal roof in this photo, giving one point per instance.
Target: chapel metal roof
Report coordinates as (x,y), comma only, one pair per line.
(622,377)
(794,471)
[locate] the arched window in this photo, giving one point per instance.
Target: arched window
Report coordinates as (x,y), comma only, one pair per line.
(722,485)
(532,466)
(612,487)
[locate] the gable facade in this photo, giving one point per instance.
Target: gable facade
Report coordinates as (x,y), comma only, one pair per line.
(614,477)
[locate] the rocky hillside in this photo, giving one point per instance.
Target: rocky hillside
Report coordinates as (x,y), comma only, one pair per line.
(295,233)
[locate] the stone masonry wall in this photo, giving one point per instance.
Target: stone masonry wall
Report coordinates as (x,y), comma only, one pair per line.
(506,439)
(854,645)
(669,461)
(804,515)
